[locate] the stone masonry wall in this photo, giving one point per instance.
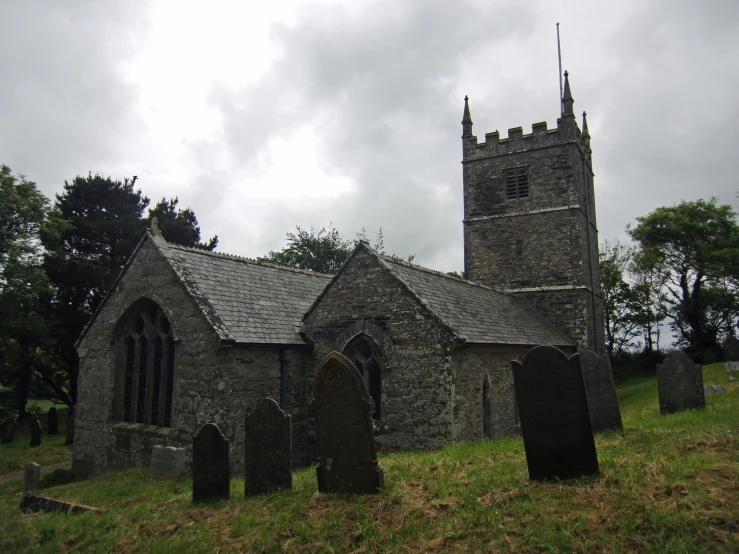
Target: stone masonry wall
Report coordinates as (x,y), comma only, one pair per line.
(418,388)
(102,440)
(544,239)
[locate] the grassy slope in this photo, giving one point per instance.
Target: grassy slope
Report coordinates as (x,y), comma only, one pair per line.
(668,485)
(14,455)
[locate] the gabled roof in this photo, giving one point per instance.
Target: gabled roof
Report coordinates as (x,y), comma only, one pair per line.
(472,312)
(247,301)
(244,301)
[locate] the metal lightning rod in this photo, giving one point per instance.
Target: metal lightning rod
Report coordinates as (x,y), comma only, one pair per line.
(561,91)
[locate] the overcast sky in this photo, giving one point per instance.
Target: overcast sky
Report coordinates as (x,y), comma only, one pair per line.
(310,113)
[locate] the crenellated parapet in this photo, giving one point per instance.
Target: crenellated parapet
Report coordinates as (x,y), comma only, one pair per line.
(540,136)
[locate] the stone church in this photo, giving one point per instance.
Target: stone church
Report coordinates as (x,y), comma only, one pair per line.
(186,337)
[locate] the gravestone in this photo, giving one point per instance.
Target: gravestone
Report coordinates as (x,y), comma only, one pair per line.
(211,468)
(35,432)
(732,367)
(731,349)
(53,421)
(267,444)
(167,461)
(70,426)
(9,431)
(713,389)
(680,384)
(344,429)
(708,357)
(32,476)
(600,390)
(555,420)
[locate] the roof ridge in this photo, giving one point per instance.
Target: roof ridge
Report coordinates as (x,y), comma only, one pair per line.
(439,273)
(244,259)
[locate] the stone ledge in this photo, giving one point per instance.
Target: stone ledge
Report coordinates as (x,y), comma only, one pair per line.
(35,503)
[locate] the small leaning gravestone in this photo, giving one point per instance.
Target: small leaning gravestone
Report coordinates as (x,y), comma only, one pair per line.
(267,445)
(211,468)
(53,421)
(344,428)
(680,384)
(32,476)
(35,432)
(597,375)
(167,461)
(553,408)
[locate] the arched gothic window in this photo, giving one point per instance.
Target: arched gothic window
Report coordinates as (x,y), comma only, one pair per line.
(146,368)
(366,355)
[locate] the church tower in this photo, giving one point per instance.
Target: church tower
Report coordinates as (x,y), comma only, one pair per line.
(529,220)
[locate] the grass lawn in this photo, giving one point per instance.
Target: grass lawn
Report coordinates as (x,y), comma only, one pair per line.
(15,455)
(669,484)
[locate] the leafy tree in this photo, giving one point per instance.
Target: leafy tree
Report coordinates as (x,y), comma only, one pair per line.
(92,230)
(618,297)
(179,226)
(321,250)
(694,248)
(23,287)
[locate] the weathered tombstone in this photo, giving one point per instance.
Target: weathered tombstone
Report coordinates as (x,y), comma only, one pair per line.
(344,428)
(713,389)
(167,461)
(267,444)
(211,468)
(9,431)
(53,423)
(555,421)
(732,367)
(35,432)
(731,349)
(680,384)
(32,476)
(70,426)
(600,390)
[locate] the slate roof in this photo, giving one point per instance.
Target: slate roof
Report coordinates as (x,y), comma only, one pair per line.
(476,313)
(246,301)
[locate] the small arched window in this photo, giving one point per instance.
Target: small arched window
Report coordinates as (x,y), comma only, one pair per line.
(365,354)
(146,367)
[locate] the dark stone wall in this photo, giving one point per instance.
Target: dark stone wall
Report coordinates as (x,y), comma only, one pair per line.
(543,240)
(417,393)
(213,383)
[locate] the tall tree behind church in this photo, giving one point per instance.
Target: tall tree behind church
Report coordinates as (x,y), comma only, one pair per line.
(103,220)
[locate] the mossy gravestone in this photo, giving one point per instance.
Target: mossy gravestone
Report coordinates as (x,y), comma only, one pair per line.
(267,444)
(211,468)
(53,421)
(600,390)
(680,384)
(731,349)
(555,421)
(344,428)
(35,432)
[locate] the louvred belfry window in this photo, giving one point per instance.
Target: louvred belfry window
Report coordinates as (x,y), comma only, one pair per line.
(517,183)
(147,358)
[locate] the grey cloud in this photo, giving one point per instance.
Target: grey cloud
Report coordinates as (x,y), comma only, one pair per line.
(64,106)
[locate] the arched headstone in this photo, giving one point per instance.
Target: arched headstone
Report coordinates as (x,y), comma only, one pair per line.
(605,414)
(731,349)
(680,384)
(555,421)
(267,444)
(35,432)
(211,468)
(344,429)
(53,421)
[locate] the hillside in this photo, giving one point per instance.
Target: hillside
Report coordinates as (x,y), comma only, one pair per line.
(670,484)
